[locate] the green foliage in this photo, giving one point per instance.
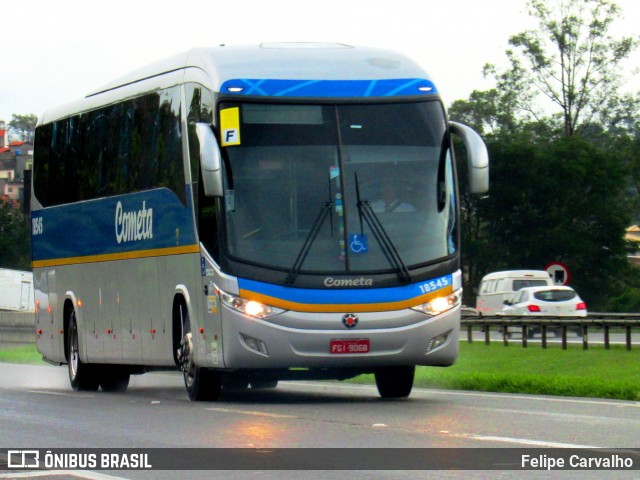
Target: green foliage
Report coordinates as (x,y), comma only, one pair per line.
(596,373)
(15,250)
(21,354)
(627,301)
(564,200)
(571,59)
(573,372)
(25,125)
(564,186)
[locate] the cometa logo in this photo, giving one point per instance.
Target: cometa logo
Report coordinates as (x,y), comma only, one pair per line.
(134,225)
(348,282)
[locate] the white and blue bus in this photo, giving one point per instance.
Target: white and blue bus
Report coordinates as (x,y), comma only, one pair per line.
(250,215)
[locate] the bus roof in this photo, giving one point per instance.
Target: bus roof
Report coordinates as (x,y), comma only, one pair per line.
(275,69)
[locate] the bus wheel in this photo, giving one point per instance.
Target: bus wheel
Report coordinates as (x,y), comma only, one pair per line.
(114,378)
(201,383)
(395,382)
(82,376)
(264,384)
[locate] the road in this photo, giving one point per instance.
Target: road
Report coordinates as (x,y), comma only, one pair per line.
(38,410)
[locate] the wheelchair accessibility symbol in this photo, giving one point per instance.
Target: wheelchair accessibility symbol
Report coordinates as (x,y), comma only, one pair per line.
(358,243)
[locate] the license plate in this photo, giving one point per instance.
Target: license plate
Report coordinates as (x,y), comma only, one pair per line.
(354,345)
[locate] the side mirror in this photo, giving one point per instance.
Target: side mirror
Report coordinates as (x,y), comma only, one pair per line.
(478,157)
(210,161)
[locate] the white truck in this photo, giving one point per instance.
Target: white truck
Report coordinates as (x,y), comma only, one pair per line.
(16,290)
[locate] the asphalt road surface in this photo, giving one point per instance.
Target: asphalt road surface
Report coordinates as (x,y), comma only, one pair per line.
(39,410)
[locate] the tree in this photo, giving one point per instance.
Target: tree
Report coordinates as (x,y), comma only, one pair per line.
(571,59)
(564,200)
(487,112)
(25,125)
(15,249)
(562,182)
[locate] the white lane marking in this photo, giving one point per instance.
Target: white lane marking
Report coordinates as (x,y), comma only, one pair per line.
(73,473)
(61,394)
(526,441)
(250,412)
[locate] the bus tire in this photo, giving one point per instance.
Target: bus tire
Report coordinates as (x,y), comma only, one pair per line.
(395,382)
(114,378)
(201,383)
(82,376)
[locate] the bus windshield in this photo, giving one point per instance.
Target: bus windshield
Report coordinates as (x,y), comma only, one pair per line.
(308,184)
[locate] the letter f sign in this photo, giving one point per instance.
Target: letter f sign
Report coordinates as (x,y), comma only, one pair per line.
(230,136)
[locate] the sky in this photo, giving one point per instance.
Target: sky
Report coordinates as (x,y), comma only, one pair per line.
(57,51)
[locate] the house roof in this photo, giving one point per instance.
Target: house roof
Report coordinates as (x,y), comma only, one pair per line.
(633,233)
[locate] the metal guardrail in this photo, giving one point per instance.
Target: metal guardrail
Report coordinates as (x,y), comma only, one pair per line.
(17,327)
(526,325)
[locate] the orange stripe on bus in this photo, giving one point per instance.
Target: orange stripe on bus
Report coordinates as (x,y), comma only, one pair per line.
(109,257)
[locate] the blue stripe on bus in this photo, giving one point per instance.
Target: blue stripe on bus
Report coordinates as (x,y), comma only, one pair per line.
(329,88)
(345,296)
(90,228)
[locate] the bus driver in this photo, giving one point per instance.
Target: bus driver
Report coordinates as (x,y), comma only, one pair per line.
(392,200)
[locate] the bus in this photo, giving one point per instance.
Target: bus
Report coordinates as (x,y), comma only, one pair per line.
(251,214)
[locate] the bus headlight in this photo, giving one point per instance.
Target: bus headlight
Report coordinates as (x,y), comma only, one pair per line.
(248,307)
(440,304)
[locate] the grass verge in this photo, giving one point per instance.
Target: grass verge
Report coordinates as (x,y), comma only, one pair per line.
(21,354)
(573,372)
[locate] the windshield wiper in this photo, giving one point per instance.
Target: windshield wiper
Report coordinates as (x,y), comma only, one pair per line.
(390,251)
(308,242)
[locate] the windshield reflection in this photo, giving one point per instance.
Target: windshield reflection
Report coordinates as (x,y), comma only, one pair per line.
(303,173)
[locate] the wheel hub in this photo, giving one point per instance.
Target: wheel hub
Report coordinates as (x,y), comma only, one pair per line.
(185,353)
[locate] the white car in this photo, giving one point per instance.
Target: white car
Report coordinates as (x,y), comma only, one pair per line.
(557,301)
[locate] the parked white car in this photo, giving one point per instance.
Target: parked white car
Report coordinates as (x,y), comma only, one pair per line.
(557,301)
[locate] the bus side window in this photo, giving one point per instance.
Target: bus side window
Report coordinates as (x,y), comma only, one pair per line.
(208,222)
(199,101)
